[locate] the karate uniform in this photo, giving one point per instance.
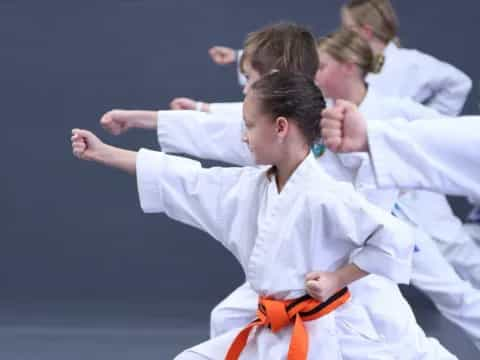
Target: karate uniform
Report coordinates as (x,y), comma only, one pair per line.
(216,136)
(412,74)
(445,250)
(314,223)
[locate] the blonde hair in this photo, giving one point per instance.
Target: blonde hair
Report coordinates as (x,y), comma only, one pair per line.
(378,14)
(346,46)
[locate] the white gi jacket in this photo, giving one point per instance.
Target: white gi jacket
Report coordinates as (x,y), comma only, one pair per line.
(216,137)
(423,78)
(314,223)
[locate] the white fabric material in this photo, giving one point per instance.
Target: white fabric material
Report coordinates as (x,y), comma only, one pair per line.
(227,108)
(429,211)
(439,155)
(411,74)
(432,213)
(473,231)
(423,78)
(242,80)
(204,135)
(455,298)
(325,223)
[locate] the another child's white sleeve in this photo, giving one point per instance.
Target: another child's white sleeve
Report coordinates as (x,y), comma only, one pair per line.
(438,155)
(233,109)
(448,85)
(242,80)
(203,135)
(183,190)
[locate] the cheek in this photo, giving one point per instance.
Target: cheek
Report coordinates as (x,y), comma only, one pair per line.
(323,79)
(246,87)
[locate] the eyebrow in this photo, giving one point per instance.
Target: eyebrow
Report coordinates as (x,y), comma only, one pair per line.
(246,122)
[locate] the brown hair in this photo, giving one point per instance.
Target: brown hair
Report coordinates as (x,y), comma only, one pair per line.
(284,47)
(294,96)
(347,46)
(379,14)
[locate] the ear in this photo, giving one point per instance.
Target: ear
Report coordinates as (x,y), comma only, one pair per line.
(367,32)
(282,126)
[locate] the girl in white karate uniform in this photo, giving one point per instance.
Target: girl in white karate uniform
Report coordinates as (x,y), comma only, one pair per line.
(345,59)
(217,136)
(409,73)
(282,222)
(405,72)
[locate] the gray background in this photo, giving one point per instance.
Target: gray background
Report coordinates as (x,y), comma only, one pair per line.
(72,232)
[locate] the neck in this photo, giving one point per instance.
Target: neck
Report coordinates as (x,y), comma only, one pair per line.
(288,164)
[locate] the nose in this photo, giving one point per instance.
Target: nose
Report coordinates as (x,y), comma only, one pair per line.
(244,136)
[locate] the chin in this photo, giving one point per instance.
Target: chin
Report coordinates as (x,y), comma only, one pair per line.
(260,161)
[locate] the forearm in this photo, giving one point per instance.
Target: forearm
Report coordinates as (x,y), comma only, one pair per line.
(121,159)
(142,119)
(349,273)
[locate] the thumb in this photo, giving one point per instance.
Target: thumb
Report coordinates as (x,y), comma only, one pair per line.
(312,285)
(106,118)
(313,275)
(85,134)
(345,105)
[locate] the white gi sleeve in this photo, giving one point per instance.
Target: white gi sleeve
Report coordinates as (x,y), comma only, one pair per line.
(440,155)
(203,135)
(385,243)
(183,190)
(233,109)
(242,80)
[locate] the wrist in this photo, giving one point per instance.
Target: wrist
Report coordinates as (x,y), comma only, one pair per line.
(143,120)
(104,154)
(201,106)
(340,279)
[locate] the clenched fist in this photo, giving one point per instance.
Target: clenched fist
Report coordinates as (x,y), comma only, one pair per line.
(343,128)
(85,145)
(322,285)
(222,55)
(116,122)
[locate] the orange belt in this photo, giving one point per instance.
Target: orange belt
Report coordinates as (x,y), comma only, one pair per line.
(276,314)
